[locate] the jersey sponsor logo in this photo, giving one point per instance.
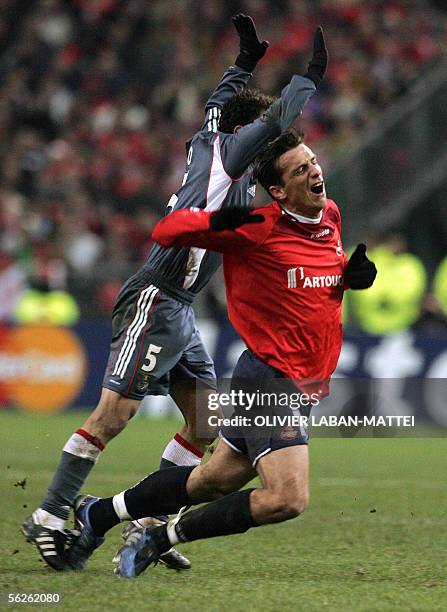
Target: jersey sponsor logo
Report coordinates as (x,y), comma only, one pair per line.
(300,280)
(339,249)
(291,278)
(330,280)
(324,232)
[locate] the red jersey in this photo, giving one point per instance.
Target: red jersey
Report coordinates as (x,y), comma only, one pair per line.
(284,283)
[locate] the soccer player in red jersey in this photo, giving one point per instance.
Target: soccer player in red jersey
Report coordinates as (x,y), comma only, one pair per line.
(285,274)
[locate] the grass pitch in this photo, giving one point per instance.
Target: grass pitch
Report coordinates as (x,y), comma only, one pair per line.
(374,537)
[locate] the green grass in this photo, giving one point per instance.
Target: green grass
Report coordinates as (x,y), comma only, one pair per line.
(338,556)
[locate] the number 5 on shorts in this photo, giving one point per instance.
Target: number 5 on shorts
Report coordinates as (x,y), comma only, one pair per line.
(150,355)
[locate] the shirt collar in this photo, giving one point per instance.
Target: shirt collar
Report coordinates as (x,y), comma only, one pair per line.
(300,218)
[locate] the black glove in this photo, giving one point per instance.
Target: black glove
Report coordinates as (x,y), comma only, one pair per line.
(232,218)
(251,49)
(318,64)
(360,271)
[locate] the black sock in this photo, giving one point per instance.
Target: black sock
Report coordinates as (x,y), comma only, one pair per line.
(225,516)
(163,492)
(102,516)
(164,463)
(228,515)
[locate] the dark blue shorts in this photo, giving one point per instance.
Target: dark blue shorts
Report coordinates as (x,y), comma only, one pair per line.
(155,343)
(253,376)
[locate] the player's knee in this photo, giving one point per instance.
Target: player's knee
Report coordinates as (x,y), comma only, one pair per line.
(286,506)
(296,505)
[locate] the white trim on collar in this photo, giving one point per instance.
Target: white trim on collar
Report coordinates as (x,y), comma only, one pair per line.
(302,219)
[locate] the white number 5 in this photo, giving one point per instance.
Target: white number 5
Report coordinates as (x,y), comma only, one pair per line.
(153,348)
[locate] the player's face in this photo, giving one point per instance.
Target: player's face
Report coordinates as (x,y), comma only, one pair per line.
(303,189)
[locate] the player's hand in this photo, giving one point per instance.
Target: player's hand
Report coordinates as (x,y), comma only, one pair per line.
(318,64)
(251,48)
(232,218)
(360,272)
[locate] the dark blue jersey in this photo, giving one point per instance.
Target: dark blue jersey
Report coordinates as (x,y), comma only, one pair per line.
(219,173)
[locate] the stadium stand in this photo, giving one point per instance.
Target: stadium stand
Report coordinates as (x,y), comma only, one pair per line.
(98,98)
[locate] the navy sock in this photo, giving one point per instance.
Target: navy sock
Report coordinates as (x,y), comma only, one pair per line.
(163,492)
(70,475)
(225,516)
(102,516)
(228,515)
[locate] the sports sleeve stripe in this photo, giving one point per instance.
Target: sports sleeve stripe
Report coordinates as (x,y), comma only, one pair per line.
(213,119)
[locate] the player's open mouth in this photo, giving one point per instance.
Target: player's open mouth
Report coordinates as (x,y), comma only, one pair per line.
(317,188)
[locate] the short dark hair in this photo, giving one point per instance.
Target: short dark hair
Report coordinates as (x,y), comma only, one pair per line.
(266,168)
(243,108)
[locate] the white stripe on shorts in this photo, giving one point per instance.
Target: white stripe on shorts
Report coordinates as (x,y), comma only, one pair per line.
(229,443)
(144,305)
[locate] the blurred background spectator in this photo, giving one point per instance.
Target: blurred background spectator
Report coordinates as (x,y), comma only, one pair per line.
(97,98)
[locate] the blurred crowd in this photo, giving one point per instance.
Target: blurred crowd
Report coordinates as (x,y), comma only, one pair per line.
(97,98)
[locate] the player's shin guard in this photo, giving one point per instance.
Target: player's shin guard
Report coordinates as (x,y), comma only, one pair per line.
(79,455)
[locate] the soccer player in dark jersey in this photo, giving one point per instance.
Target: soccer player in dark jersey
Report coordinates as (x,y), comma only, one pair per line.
(156,347)
(285,275)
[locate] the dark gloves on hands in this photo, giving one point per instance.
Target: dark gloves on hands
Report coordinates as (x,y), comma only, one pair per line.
(318,64)
(251,49)
(232,218)
(360,272)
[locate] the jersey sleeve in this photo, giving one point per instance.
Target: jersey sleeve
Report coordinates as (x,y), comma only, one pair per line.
(187,228)
(233,81)
(240,149)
